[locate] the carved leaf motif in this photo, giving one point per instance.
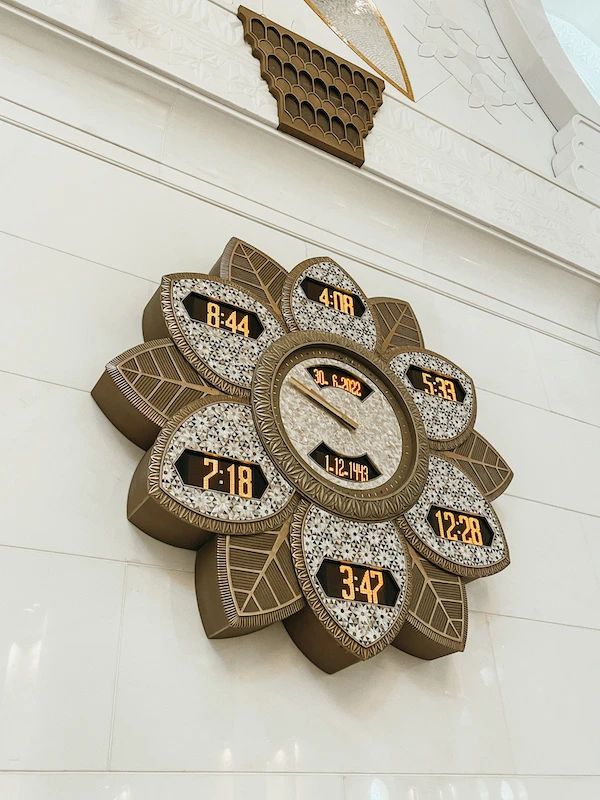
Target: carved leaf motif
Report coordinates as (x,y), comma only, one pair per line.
(483,464)
(253,271)
(144,387)
(157,379)
(261,576)
(437,618)
(398,325)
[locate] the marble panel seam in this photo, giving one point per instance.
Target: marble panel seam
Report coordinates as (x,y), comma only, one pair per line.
(126,563)
(551,505)
(507,735)
(479,389)
(497,615)
(300,237)
(279,774)
(547,217)
(100,264)
(113,712)
(540,408)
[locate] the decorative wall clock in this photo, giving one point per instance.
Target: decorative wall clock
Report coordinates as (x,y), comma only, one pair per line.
(321,461)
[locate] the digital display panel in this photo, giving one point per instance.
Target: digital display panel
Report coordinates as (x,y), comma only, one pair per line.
(359,469)
(221,315)
(460,527)
(332,297)
(209,471)
(436,384)
(324,375)
(346,581)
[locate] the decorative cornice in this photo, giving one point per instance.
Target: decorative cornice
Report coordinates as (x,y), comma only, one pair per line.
(405,147)
(415,151)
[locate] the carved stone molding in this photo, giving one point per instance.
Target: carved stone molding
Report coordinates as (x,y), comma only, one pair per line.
(532,41)
(577,159)
(405,147)
(416,151)
(321,98)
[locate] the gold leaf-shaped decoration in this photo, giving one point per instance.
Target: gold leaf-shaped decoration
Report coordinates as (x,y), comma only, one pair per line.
(483,464)
(398,326)
(253,271)
(144,387)
(362,27)
(437,618)
(247,583)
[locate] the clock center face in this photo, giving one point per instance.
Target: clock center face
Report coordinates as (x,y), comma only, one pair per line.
(340,426)
(340,422)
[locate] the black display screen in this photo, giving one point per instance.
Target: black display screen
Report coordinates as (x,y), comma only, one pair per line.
(458,526)
(359,469)
(346,581)
(332,297)
(227,475)
(324,375)
(434,383)
(222,315)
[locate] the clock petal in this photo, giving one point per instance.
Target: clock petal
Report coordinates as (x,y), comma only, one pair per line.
(397,323)
(444,394)
(207,473)
(221,330)
(144,387)
(363,28)
(437,619)
(253,271)
(454,526)
(483,464)
(356,580)
(246,583)
(319,295)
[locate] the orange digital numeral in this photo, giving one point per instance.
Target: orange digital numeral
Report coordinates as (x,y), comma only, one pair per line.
(375,573)
(428,383)
(348,592)
(212,473)
(213,315)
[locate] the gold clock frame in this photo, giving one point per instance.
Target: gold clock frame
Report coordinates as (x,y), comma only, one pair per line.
(367,505)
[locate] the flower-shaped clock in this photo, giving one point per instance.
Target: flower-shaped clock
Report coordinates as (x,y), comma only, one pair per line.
(321,461)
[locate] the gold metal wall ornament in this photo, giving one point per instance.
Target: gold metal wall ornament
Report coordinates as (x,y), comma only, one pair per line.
(437,619)
(361,26)
(321,98)
(294,431)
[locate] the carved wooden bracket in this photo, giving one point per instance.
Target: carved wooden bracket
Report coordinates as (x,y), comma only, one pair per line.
(321,98)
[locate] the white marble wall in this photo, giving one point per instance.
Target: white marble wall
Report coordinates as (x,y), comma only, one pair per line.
(110,689)
(495,183)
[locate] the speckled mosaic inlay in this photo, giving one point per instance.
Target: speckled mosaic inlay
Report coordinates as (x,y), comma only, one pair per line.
(444,420)
(230,356)
(312,316)
(447,486)
(307,425)
(225,429)
(325,535)
(360,24)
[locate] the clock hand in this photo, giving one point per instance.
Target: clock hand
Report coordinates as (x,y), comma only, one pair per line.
(322,402)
